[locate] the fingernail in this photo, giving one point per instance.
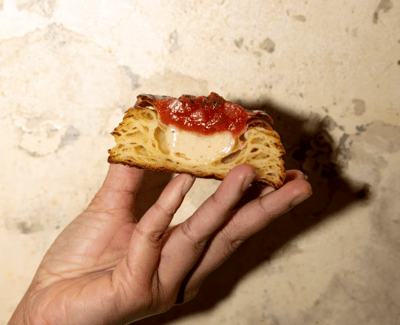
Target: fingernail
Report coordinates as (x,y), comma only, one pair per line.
(247,181)
(305,177)
(188,184)
(300,199)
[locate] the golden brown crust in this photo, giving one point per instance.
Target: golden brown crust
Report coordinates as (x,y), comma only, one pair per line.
(258,179)
(138,146)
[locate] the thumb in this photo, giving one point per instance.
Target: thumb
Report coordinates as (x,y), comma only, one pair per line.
(119,189)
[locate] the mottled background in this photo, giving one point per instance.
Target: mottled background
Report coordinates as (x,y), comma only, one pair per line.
(328,72)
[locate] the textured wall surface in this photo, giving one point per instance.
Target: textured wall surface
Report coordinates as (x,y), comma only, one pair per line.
(328,72)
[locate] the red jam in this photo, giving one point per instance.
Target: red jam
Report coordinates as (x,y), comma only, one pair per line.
(205,115)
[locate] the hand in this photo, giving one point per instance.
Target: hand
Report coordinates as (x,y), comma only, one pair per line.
(108,268)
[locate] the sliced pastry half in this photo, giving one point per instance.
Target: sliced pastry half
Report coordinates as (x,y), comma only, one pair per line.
(202,136)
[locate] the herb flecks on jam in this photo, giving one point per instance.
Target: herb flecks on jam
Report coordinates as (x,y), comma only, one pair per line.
(204,115)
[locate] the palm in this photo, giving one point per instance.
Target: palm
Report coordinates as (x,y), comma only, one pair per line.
(79,264)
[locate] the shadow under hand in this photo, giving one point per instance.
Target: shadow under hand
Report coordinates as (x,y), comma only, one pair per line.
(311,149)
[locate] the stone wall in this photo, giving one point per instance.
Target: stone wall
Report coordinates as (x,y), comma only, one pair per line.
(328,72)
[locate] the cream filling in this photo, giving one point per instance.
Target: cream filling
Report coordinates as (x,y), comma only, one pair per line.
(202,149)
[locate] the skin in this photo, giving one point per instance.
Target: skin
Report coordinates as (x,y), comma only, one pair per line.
(108,268)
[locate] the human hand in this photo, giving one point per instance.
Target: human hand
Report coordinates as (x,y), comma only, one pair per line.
(106,267)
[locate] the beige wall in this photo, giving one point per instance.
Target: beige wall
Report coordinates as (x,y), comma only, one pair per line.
(327,71)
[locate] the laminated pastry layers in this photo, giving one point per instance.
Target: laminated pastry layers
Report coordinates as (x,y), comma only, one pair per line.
(145,140)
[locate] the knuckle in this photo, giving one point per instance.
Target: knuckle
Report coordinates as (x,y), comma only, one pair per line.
(196,241)
(261,206)
(163,211)
(153,236)
(218,205)
(231,244)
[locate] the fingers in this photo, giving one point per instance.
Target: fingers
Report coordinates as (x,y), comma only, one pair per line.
(254,216)
(146,242)
(187,243)
(119,188)
(256,192)
(213,212)
(294,174)
(248,220)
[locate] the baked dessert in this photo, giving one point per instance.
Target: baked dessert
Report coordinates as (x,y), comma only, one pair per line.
(202,136)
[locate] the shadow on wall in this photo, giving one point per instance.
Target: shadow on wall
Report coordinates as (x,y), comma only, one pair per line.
(309,148)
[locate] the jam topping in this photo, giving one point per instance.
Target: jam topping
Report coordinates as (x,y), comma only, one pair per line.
(204,115)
